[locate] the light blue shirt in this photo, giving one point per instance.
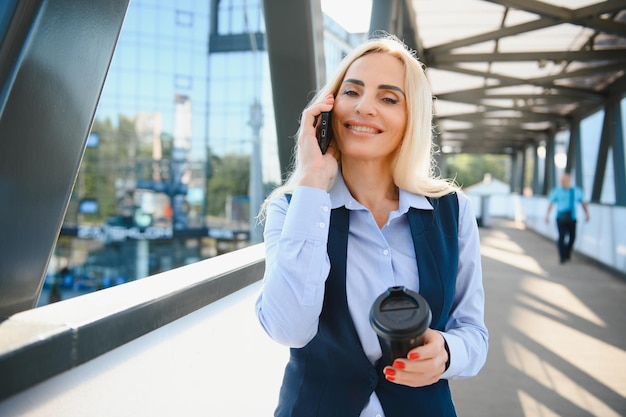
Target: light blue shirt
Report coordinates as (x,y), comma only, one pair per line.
(564,199)
(297,265)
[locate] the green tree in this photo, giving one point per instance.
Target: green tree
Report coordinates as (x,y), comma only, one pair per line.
(469,169)
(115,160)
(111,160)
(230,176)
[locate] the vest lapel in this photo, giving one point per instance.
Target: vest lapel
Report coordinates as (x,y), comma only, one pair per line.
(435,237)
(431,284)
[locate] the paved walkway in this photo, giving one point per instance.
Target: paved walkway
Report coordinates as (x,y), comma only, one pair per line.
(557,333)
(557,348)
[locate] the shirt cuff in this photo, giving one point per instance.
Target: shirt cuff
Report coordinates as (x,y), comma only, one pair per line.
(457,356)
(308,215)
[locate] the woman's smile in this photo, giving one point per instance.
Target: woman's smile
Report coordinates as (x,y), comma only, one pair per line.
(362,128)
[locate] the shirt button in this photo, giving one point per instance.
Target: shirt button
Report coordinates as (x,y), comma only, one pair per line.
(325,209)
(385,252)
(321,225)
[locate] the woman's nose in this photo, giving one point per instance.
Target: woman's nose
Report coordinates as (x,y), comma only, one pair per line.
(366,106)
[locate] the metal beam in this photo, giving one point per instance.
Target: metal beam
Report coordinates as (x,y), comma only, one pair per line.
(294,35)
(575,93)
(491,36)
(574,160)
(556,56)
(48,102)
(536,186)
(606,141)
(619,152)
(586,17)
(549,172)
(522,171)
(514,174)
(384,17)
(398,18)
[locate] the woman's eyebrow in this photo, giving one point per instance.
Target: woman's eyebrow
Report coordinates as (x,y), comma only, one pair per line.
(391,87)
(381,86)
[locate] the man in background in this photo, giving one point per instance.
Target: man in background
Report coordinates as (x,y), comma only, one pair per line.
(566,197)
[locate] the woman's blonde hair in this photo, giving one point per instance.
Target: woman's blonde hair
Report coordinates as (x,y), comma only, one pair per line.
(414,166)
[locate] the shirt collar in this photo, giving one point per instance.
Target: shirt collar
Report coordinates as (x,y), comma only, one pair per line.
(340,196)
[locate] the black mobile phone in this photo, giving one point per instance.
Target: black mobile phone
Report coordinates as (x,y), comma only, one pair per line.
(324,131)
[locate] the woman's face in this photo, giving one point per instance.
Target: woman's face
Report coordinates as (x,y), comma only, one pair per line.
(369,114)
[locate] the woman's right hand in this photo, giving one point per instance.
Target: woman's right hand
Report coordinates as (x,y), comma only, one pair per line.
(318,170)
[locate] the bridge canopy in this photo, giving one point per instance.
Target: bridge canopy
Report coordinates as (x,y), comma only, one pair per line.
(505,72)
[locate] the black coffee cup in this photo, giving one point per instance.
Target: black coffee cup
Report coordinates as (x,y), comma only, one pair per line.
(399,317)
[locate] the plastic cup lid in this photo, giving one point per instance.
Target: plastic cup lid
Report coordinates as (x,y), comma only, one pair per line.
(400,313)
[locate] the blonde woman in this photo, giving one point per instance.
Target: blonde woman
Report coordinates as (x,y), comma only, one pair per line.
(367,215)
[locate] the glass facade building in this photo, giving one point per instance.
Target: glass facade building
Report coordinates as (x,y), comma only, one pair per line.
(185,110)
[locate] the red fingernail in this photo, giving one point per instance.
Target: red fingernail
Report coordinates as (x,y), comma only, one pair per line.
(390,372)
(390,378)
(414,356)
(398,364)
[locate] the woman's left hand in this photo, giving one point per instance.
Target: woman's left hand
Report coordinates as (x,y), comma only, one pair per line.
(423,365)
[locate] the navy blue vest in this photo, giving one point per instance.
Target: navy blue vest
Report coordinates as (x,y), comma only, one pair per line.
(331,375)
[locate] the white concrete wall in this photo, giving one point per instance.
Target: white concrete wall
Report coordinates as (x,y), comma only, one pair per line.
(603,238)
(214,362)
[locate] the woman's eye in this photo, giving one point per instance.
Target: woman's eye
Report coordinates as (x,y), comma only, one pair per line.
(390,100)
(350,93)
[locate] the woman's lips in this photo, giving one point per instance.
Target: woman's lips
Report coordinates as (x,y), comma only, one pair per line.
(363,128)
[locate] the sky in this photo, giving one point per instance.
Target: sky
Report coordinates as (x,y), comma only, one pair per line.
(353,15)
